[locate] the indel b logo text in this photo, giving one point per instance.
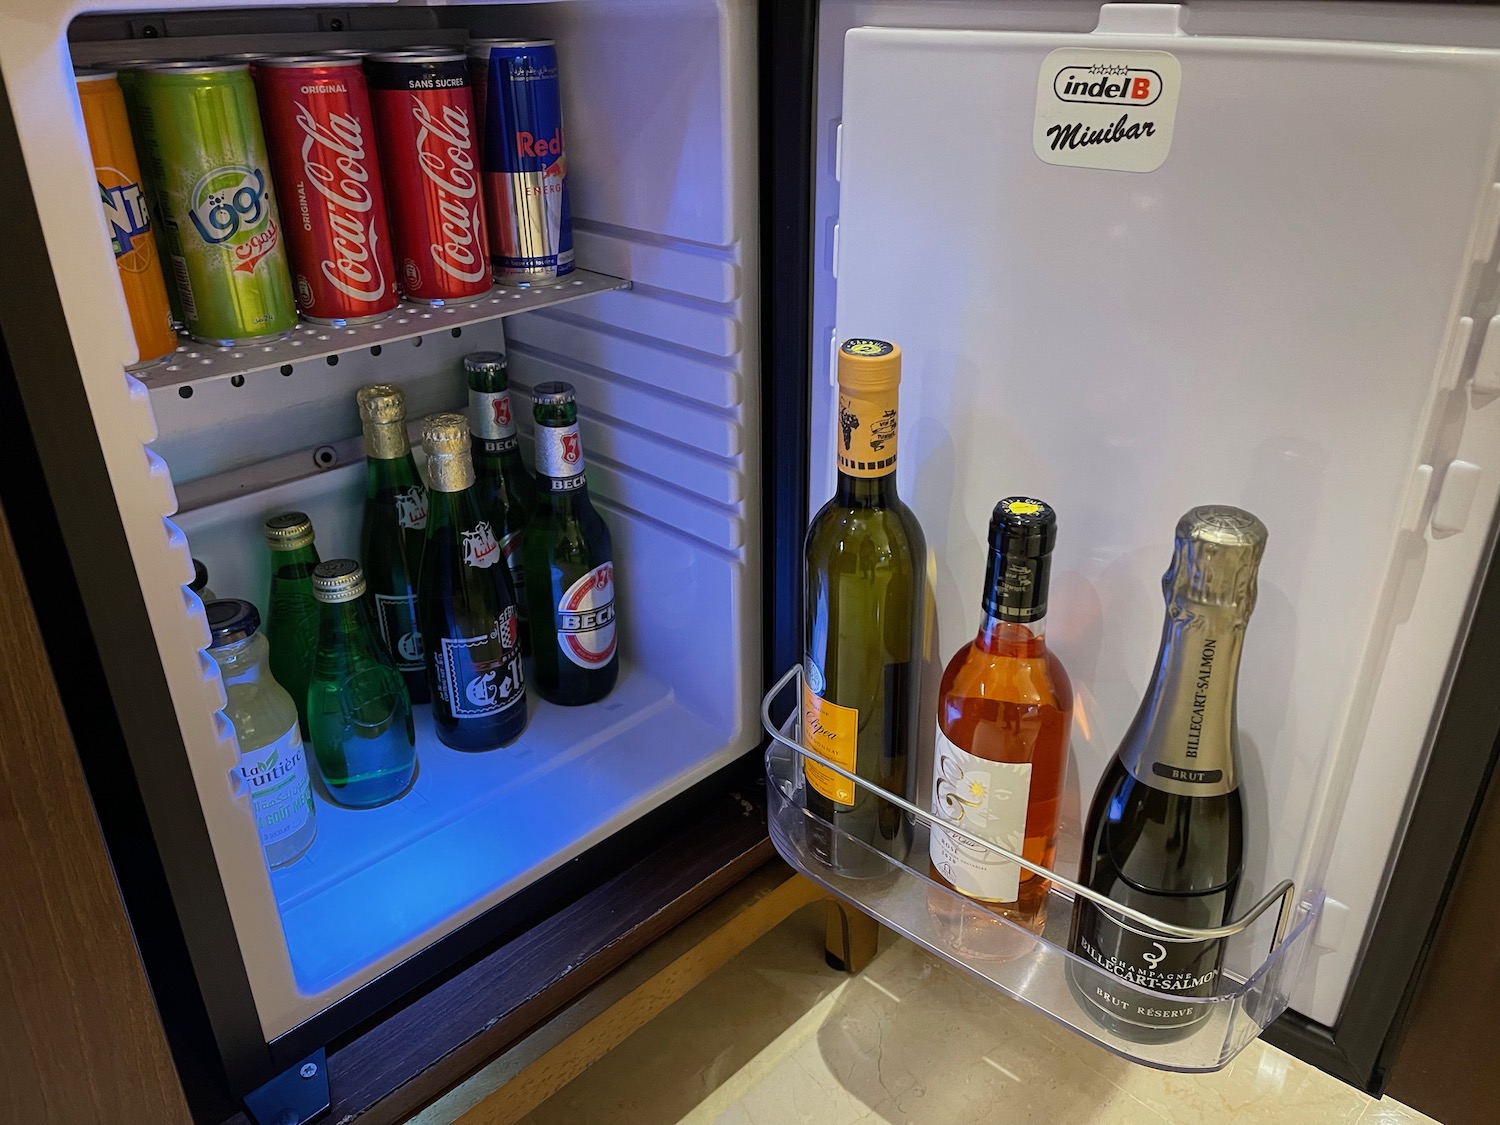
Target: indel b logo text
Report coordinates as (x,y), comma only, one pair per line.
(1107,85)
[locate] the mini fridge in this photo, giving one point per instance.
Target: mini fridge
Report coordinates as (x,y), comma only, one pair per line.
(1283,296)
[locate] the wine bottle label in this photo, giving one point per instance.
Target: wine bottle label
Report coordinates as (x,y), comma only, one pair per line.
(559,457)
(473,679)
(510,547)
(831,732)
(990,800)
(491,420)
(480,548)
(280,790)
(867,434)
(411,507)
(397,614)
(586,618)
(1149,960)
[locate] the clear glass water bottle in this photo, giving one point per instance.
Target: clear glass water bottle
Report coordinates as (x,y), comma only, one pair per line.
(273,764)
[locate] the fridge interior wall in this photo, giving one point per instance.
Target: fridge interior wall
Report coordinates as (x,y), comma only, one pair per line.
(659,104)
(1271,319)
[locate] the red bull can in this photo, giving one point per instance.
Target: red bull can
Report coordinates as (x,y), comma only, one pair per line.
(525,163)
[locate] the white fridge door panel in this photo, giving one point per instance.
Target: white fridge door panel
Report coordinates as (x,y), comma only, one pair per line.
(1262,321)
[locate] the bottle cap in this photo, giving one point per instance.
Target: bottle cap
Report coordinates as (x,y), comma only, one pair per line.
(381,404)
(485,361)
(445,434)
(554,394)
(1023,531)
(230,620)
(200,577)
(288,531)
(867,365)
(1216,558)
(338,580)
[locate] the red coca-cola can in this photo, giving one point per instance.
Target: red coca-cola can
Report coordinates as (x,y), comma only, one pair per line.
(424,116)
(321,133)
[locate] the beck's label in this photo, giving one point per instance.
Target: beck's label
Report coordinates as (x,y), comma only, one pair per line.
(988,799)
(559,457)
(490,418)
(280,790)
(1106,109)
(867,433)
(586,618)
(479,676)
(831,732)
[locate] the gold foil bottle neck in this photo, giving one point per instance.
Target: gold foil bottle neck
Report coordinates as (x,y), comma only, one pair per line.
(445,440)
(382,415)
(1216,559)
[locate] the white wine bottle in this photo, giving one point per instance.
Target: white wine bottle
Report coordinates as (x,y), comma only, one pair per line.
(865,563)
(1165,833)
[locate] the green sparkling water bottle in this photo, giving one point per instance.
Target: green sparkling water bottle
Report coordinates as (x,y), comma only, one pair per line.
(292,620)
(363,738)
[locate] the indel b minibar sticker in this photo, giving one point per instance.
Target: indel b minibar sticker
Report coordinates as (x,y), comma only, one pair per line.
(1106,109)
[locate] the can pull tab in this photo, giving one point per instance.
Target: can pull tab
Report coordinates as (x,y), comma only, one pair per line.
(1142,19)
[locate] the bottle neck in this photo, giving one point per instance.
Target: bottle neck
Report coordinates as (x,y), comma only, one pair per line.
(450,472)
(559,459)
(1184,738)
(386,441)
(340,625)
(1000,637)
(866,492)
(296,563)
(241,662)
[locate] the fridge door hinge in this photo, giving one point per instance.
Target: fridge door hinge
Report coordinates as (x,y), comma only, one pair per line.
(296,1096)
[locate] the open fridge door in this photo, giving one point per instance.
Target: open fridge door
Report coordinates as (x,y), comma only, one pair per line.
(1278,295)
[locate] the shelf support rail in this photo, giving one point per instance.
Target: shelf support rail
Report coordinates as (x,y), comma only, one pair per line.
(1283,893)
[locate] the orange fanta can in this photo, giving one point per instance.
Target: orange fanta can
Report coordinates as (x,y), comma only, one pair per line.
(125,213)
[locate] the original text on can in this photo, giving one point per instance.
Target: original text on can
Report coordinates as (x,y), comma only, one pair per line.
(207,155)
(425,118)
(525,165)
(322,138)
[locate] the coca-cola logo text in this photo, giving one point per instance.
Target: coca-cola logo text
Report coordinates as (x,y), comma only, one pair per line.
(445,150)
(334,162)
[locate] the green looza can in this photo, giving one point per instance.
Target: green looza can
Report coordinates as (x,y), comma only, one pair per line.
(206,153)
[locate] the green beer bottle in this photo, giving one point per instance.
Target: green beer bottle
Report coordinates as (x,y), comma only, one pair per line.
(506,491)
(394,530)
(570,572)
(471,629)
(292,620)
(364,742)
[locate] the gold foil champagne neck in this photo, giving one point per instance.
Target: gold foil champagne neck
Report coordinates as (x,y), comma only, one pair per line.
(1216,559)
(445,440)
(382,415)
(869,366)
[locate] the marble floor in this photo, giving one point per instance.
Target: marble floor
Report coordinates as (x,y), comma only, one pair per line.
(777,1038)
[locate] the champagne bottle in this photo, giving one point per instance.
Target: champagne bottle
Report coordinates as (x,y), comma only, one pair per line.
(1004,711)
(1165,832)
(394,530)
(292,620)
(864,561)
(507,493)
(364,741)
(466,604)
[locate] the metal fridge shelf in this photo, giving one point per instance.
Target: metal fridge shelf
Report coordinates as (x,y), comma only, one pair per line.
(194,362)
(1264,948)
